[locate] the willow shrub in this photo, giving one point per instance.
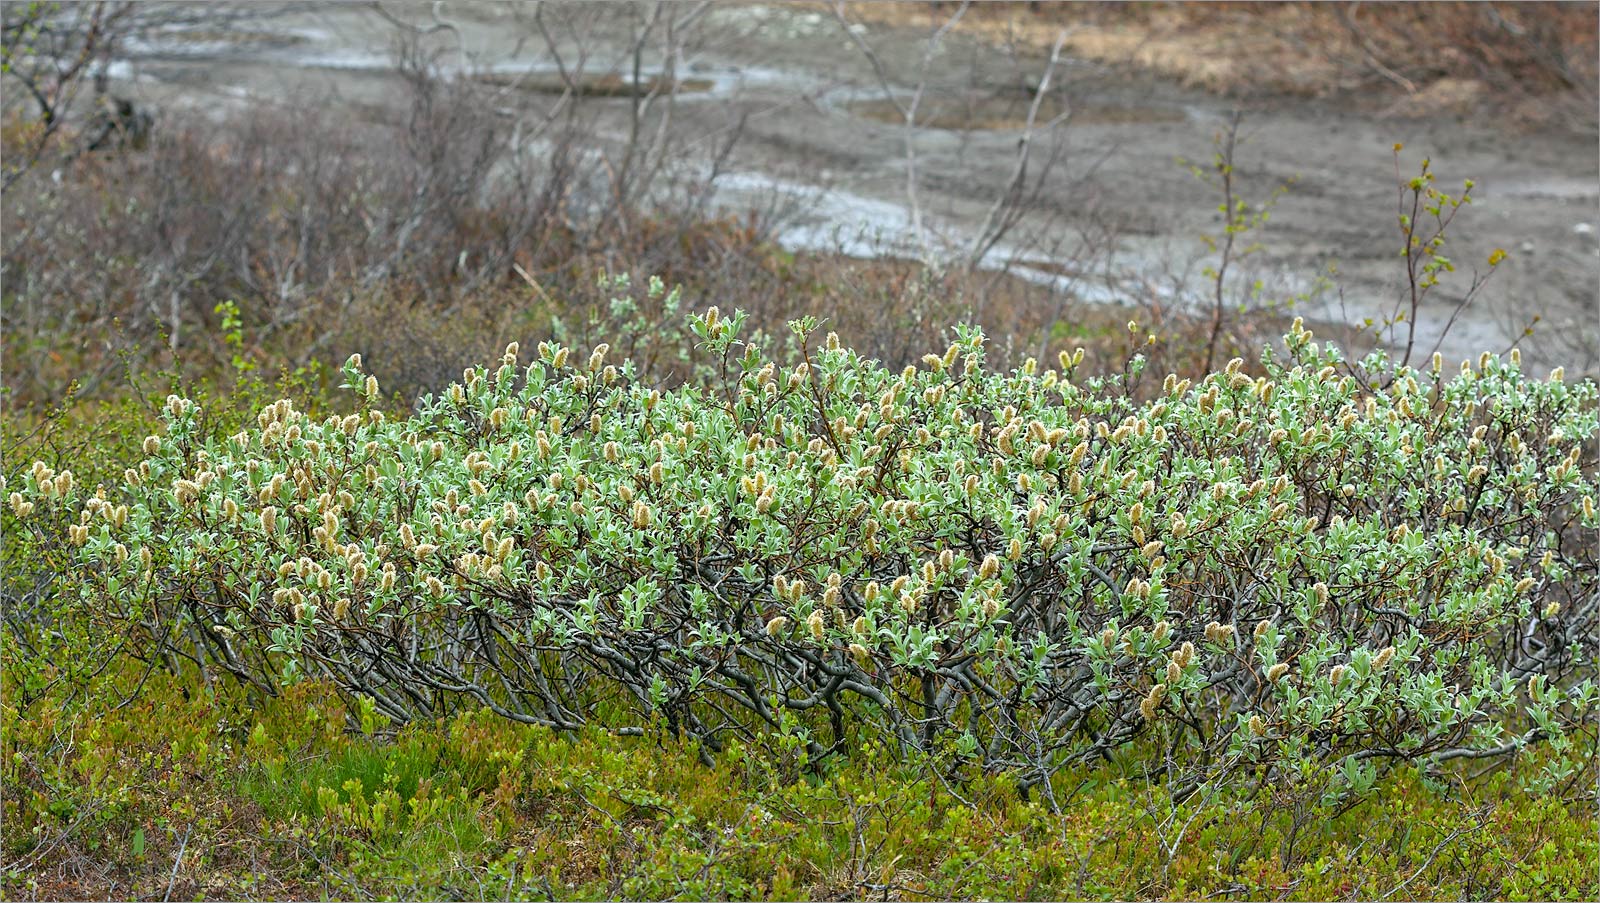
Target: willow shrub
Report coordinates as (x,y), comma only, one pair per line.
(1308,577)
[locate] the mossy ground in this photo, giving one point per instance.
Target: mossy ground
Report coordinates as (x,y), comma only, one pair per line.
(192,793)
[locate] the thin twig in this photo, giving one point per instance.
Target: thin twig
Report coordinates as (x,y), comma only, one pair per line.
(177,861)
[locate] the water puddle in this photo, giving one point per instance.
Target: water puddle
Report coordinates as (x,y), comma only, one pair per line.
(835,220)
(185,42)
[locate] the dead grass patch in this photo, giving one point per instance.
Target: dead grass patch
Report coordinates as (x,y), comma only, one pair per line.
(1529,64)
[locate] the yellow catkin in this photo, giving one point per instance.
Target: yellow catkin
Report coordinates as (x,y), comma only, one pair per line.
(1148,706)
(989,568)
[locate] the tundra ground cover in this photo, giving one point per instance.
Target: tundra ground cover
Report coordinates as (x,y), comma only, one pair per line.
(283,800)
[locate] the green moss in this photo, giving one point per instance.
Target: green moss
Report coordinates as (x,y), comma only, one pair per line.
(476,808)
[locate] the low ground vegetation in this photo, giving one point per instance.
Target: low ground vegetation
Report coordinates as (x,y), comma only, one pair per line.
(185,792)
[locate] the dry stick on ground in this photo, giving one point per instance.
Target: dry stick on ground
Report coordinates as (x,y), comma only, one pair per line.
(1482,819)
(176,862)
(1347,18)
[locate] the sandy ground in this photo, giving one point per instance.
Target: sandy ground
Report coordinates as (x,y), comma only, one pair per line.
(1115,216)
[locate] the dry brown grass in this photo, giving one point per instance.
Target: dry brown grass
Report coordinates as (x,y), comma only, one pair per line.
(1529,63)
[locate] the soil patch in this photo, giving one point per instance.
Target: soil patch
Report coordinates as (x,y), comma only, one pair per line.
(608,85)
(991,112)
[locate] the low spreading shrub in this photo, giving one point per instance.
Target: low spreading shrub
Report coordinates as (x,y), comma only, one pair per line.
(1295,580)
(49,641)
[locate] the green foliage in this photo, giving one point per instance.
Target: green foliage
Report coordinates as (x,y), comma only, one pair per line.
(50,637)
(233,334)
(1295,581)
(649,328)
